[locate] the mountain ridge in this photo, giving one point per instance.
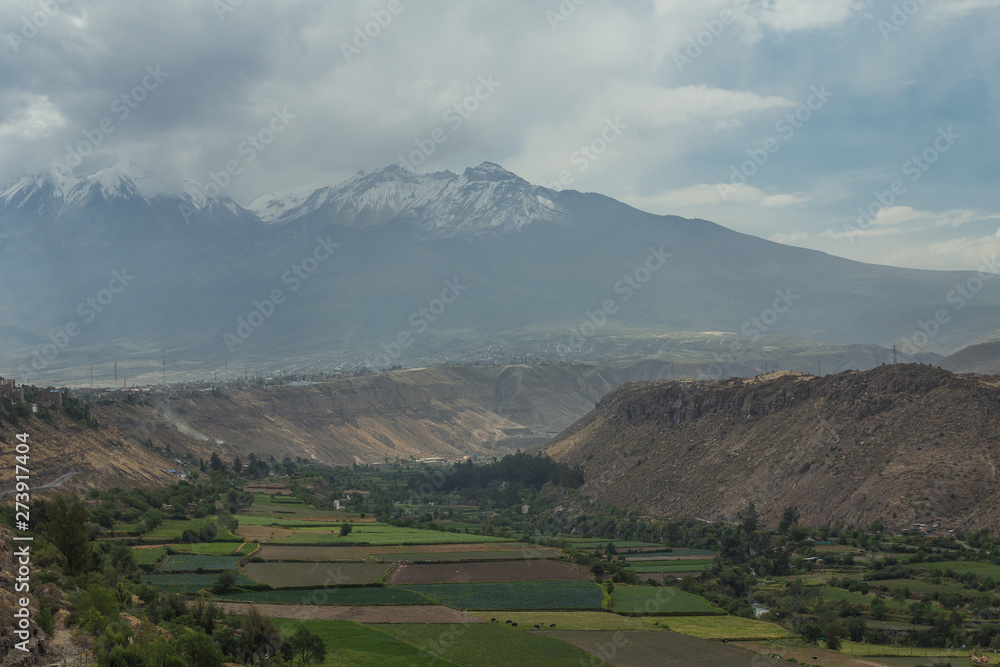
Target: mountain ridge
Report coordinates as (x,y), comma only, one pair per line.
(900,443)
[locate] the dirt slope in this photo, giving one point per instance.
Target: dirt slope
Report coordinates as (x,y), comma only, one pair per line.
(903,444)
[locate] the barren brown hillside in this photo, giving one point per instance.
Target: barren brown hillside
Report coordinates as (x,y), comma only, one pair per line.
(900,443)
(446,411)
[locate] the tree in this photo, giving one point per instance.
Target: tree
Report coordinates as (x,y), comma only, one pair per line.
(307,645)
(216,463)
(789,518)
(199,650)
(260,636)
(225,581)
(67,530)
(345,529)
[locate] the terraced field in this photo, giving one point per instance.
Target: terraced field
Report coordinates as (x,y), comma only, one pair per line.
(515,595)
(516,570)
(188,583)
(286,575)
(195,562)
(306,553)
(364,595)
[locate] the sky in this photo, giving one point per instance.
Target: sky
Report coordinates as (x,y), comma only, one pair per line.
(869,130)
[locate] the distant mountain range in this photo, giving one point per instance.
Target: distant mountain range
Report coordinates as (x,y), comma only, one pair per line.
(392,267)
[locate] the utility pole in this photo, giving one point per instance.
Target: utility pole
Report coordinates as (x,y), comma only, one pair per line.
(116,372)
(91,377)
(164,368)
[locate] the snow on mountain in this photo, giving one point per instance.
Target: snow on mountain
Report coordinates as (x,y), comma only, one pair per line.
(484,199)
(122,181)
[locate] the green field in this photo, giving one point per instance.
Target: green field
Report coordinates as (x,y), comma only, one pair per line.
(725,627)
(479,644)
(659,600)
(286,521)
(189,583)
(982,570)
(920,586)
(194,562)
(215,548)
(460,556)
(642,567)
(172,529)
(148,556)
(287,575)
(830,593)
(381,534)
(366,595)
(569,620)
(355,645)
(515,595)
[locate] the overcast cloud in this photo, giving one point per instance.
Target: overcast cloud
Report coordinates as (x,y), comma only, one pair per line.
(778,118)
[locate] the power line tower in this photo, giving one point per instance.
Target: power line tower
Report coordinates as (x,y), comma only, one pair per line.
(894,353)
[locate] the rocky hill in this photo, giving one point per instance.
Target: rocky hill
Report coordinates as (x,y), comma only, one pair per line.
(900,443)
(446,411)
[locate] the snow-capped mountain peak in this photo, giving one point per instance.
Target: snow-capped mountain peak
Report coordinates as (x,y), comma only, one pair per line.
(484,199)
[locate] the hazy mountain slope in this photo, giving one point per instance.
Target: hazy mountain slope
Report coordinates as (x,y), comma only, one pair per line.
(354,264)
(982,358)
(903,444)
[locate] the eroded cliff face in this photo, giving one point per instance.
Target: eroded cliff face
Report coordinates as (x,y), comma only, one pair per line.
(901,444)
(444,411)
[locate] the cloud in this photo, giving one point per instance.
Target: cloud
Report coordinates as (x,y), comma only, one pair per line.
(794,15)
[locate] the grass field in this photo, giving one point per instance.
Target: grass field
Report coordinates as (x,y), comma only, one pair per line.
(480,644)
(188,583)
(353,644)
(830,593)
(215,548)
(569,620)
(725,627)
(508,570)
(515,595)
(173,529)
(381,534)
(463,556)
(285,575)
(666,649)
(642,567)
(305,553)
(920,586)
(961,567)
(193,562)
(368,595)
(148,556)
(658,600)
